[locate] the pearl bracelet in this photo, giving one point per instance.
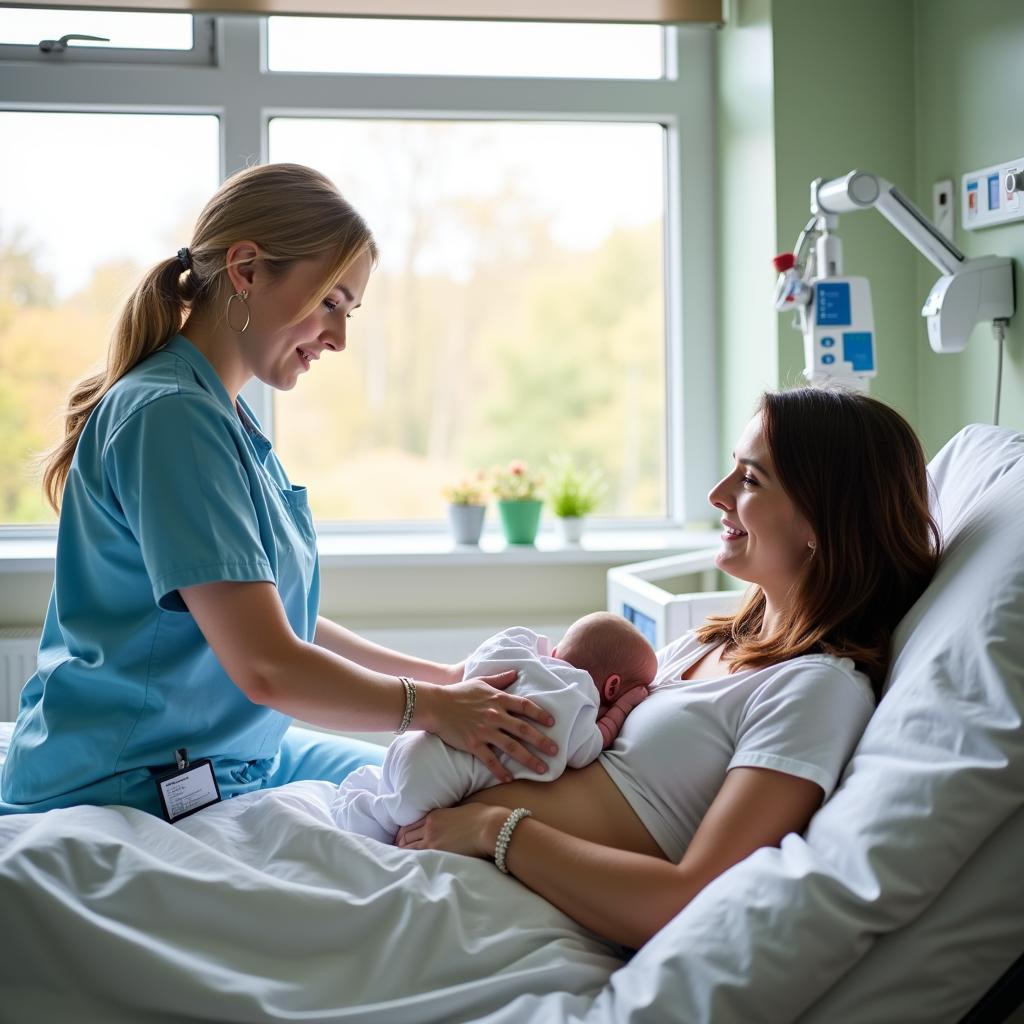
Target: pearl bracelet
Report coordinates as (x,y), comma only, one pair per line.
(410,703)
(505,836)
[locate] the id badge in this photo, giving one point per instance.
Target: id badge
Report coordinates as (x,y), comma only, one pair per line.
(187,789)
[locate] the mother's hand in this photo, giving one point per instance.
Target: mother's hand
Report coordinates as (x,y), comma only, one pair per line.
(471,830)
(478,717)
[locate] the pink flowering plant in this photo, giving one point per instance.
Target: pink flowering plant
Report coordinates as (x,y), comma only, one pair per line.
(470,490)
(516,482)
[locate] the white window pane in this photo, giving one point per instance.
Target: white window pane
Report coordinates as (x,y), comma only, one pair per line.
(27,26)
(517,312)
(513,49)
(87,203)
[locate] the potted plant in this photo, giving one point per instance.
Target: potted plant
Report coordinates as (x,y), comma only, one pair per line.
(517,489)
(467,505)
(574,492)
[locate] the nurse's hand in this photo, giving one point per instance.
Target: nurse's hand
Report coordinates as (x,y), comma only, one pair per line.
(476,716)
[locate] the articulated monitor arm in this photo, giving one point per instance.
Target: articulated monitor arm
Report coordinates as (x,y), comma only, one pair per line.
(969,291)
(859,190)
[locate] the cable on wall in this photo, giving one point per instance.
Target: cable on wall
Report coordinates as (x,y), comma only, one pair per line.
(999,333)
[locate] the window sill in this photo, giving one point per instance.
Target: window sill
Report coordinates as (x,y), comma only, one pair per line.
(437,549)
(433,549)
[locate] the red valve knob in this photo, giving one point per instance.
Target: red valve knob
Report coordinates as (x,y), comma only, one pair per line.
(784,261)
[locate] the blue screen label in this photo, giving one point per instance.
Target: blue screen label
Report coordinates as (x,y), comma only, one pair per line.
(994,189)
(857,351)
(832,301)
(644,623)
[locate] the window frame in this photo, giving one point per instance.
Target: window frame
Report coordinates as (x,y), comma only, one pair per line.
(249,96)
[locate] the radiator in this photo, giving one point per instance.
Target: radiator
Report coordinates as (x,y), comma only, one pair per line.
(18,649)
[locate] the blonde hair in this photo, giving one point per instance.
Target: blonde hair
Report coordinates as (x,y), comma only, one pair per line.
(292,212)
(603,643)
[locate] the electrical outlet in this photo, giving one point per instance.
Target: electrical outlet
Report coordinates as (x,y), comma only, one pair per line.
(942,206)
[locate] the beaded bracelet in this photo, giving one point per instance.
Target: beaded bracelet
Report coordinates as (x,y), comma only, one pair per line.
(410,703)
(505,836)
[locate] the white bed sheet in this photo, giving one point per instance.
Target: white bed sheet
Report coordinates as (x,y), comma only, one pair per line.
(260,909)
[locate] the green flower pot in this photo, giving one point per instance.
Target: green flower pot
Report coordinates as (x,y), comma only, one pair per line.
(520,520)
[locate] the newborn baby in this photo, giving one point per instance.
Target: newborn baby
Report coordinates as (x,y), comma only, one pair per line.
(597,674)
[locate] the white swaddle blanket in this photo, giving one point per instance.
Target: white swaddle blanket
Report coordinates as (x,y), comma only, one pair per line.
(420,772)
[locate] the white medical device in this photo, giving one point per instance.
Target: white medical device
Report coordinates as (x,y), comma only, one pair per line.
(659,614)
(834,312)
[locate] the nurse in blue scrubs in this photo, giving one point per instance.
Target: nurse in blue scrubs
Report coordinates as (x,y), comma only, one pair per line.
(184,612)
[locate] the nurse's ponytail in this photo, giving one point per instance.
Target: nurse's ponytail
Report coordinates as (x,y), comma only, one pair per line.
(293,212)
(151,317)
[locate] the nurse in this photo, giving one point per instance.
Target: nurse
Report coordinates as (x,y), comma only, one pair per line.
(183,625)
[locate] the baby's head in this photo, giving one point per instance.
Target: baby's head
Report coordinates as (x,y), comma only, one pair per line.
(612,650)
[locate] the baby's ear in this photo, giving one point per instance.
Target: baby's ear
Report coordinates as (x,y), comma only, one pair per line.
(612,686)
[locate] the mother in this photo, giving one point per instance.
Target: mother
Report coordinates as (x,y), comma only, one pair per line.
(754,715)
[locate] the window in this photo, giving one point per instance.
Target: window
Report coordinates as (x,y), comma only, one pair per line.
(519,299)
(71,246)
(374,46)
(28,26)
(537,292)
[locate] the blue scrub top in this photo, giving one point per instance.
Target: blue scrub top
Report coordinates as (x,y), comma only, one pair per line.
(170,486)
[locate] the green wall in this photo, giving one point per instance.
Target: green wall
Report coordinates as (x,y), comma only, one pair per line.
(844,100)
(913,90)
(969,61)
(748,358)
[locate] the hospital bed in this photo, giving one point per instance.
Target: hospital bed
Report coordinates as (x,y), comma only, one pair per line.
(903,901)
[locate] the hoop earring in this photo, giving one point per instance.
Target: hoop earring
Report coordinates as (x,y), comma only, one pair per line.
(241,296)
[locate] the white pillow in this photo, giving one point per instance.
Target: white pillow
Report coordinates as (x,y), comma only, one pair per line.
(869,915)
(968,467)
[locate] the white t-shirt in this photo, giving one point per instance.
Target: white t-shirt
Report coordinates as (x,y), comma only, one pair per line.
(802,717)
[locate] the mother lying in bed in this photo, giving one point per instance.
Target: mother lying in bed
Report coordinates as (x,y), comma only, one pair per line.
(753,716)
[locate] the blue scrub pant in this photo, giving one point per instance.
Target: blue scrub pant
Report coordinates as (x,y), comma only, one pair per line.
(304,754)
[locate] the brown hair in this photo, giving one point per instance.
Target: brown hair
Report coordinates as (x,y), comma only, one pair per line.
(855,470)
(292,212)
(603,643)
